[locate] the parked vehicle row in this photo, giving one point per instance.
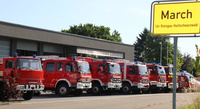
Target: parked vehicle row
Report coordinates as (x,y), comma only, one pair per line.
(73,75)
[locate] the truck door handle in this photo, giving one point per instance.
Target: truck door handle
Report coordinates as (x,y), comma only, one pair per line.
(46,75)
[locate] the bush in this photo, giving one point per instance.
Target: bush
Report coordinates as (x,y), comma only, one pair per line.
(9,90)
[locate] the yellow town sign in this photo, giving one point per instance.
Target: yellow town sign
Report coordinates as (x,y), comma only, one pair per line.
(176,18)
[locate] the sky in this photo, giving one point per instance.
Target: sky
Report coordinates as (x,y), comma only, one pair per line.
(128,17)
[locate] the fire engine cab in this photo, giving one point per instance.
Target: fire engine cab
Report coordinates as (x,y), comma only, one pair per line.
(169,77)
(66,75)
(187,82)
(135,77)
(106,76)
(157,77)
(28,73)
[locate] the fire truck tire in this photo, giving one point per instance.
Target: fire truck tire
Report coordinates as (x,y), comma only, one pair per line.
(96,89)
(63,90)
(28,95)
(78,92)
(1,91)
(126,88)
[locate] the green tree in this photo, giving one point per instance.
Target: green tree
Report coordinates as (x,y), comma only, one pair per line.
(188,63)
(180,60)
(197,61)
(139,45)
(148,48)
(153,50)
(91,30)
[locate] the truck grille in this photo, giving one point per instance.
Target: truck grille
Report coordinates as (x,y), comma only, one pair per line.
(162,80)
(116,80)
(86,80)
(144,80)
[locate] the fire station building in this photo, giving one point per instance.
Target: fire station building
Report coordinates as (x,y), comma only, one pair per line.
(27,41)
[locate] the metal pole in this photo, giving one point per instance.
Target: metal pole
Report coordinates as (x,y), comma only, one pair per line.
(161,53)
(167,52)
(174,72)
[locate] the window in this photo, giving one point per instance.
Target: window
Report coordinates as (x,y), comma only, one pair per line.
(59,66)
(68,67)
(90,68)
(31,64)
(50,67)
(122,68)
(102,68)
(132,70)
(10,64)
(152,70)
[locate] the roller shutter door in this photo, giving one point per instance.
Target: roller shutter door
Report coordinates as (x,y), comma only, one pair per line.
(27,45)
(4,48)
(91,51)
(53,48)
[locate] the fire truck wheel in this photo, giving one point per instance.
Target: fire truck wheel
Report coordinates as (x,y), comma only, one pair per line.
(63,90)
(28,95)
(96,89)
(78,92)
(126,88)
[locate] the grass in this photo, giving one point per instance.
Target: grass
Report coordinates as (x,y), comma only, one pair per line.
(195,105)
(3,103)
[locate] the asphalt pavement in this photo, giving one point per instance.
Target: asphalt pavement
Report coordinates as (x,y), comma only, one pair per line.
(117,101)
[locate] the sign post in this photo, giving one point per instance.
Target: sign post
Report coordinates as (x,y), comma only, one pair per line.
(175,19)
(174,72)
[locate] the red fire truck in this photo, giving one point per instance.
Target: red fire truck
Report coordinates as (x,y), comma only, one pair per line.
(135,77)
(106,76)
(187,82)
(66,76)
(169,77)
(157,77)
(28,73)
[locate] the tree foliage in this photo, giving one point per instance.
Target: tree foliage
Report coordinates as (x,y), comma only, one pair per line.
(148,48)
(188,63)
(140,44)
(197,62)
(91,30)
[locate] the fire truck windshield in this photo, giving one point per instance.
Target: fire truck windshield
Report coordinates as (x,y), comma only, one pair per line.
(161,70)
(31,64)
(83,67)
(143,70)
(114,69)
(170,71)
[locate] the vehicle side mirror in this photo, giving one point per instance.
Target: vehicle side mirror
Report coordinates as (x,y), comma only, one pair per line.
(12,73)
(90,69)
(79,69)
